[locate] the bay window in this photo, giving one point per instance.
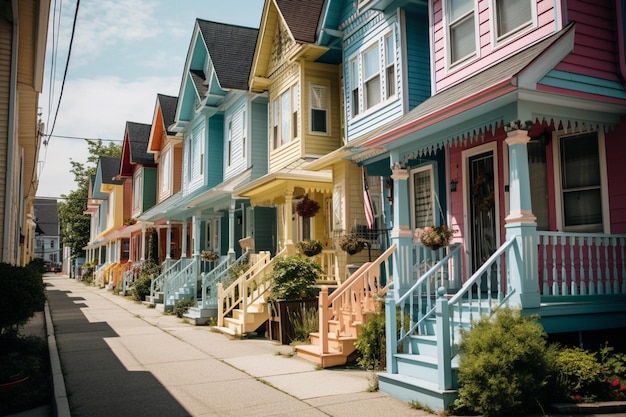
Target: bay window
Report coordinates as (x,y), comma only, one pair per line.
(285,117)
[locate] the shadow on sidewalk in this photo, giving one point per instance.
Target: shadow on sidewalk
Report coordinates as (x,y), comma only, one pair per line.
(97,383)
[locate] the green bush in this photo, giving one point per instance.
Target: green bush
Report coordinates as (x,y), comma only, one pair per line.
(304,322)
(504,365)
(141,288)
(294,278)
(182,306)
(22,293)
(578,374)
(371,343)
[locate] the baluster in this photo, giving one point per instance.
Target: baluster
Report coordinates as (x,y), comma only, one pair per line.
(563,242)
(615,276)
(606,241)
(574,284)
(592,284)
(546,286)
(581,262)
(600,287)
(555,284)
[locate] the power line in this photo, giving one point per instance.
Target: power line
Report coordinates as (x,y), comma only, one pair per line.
(82,138)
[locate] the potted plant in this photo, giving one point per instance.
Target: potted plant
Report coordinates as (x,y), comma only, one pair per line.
(352,244)
(435,237)
(307,207)
(309,247)
(209,256)
(293,290)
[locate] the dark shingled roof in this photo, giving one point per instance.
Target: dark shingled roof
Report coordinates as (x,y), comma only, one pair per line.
(231,49)
(302,17)
(138,137)
(47,216)
(198,78)
(168,109)
(110,167)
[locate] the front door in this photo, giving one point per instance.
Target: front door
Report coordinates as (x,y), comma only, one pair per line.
(482,208)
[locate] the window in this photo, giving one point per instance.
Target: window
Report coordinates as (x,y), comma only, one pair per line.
(165,166)
(422,191)
(197,153)
(285,117)
(229,157)
(461,30)
(244,134)
(581,177)
(511,16)
(390,66)
(52,244)
(137,190)
(319,106)
(354,86)
(373,75)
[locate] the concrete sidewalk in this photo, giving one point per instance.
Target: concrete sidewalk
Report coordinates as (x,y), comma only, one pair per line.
(122,358)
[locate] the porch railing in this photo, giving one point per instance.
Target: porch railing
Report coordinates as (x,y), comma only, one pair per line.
(247,289)
(158,284)
(357,296)
(217,274)
(328,262)
(581,264)
(188,276)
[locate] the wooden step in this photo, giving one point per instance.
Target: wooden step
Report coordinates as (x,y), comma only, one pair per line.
(327,360)
(408,389)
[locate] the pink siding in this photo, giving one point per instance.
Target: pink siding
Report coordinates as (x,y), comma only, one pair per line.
(489,53)
(595,50)
(615,157)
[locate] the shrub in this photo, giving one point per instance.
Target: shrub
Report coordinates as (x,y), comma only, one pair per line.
(294,278)
(22,293)
(141,288)
(182,306)
(503,367)
(371,343)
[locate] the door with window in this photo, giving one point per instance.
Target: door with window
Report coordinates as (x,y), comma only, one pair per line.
(482,213)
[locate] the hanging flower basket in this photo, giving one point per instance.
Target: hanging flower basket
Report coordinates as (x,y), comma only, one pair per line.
(307,207)
(434,237)
(209,256)
(352,244)
(309,247)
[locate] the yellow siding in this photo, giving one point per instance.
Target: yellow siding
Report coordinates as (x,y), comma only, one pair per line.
(5,76)
(326,75)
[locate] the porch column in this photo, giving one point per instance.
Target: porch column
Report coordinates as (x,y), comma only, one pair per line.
(288,218)
(142,247)
(195,235)
(231,227)
(521,225)
(168,240)
(401,233)
(183,245)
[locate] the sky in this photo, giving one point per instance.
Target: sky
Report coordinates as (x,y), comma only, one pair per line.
(124,53)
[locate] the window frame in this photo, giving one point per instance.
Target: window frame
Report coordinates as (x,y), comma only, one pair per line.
(558,184)
(165,165)
(448,26)
(229,146)
(326,108)
(137,189)
(498,39)
(278,117)
(430,168)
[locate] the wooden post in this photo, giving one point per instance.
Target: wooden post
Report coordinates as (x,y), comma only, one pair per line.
(390,333)
(444,350)
(323,319)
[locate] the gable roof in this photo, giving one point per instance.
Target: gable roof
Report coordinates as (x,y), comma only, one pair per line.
(168,110)
(109,168)
(47,216)
(231,49)
(137,136)
(301,17)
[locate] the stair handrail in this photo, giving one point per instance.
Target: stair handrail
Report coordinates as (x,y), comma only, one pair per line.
(422,291)
(246,289)
(356,296)
(157,284)
(217,274)
(186,276)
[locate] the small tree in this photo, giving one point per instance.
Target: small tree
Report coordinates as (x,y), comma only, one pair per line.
(22,294)
(294,278)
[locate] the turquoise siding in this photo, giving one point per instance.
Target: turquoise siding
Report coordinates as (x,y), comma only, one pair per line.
(224,234)
(417,57)
(215,151)
(149,188)
(258,139)
(234,116)
(584,84)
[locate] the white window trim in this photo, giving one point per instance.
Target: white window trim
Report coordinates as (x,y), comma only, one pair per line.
(244,134)
(328,109)
(137,188)
(433,203)
(165,164)
(295,105)
(229,141)
(454,66)
(498,42)
(604,192)
(382,72)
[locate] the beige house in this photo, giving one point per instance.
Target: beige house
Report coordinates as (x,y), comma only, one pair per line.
(23,34)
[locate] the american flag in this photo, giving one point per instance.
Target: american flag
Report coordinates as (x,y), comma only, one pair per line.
(367,204)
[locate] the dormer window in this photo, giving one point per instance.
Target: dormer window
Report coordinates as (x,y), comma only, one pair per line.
(511,16)
(461,30)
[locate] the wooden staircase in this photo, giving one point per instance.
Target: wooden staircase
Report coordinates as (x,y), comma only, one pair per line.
(242,308)
(342,313)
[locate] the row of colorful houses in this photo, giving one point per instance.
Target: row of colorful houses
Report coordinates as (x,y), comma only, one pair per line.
(502,120)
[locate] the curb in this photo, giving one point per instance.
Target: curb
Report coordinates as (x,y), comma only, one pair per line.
(608,407)
(61,406)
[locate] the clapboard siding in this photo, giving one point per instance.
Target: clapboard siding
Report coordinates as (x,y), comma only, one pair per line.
(489,52)
(234,117)
(418,57)
(214,164)
(615,157)
(282,80)
(258,139)
(6,37)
